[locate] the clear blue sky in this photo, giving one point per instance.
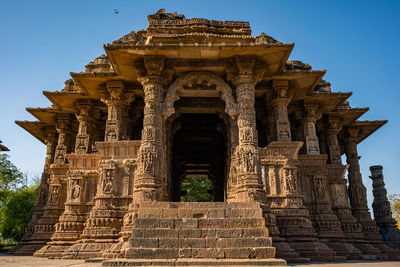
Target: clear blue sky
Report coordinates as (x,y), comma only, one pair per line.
(356,41)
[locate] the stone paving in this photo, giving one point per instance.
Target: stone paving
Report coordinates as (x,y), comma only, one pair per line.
(28,261)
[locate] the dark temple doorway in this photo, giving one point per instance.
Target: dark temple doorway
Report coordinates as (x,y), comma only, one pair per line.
(198,158)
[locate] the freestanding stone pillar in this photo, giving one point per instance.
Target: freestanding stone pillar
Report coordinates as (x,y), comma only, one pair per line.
(381,206)
(358,197)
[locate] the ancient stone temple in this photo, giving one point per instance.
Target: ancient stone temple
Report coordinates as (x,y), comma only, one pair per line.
(201,98)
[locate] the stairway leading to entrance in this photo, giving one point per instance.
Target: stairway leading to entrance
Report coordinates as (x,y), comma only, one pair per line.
(199,233)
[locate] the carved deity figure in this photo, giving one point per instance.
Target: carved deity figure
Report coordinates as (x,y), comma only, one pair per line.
(82,145)
(319,189)
(53,198)
(60,155)
(75,190)
(290,180)
(148,156)
(108,182)
(250,162)
(112,134)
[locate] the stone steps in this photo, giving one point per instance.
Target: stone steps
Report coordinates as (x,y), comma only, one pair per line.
(204,230)
(204,253)
(194,262)
(200,242)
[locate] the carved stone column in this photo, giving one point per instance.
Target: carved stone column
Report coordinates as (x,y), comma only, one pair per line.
(150,173)
(232,178)
(247,154)
(338,193)
(115,126)
(358,196)
(28,246)
(57,182)
(84,138)
(381,206)
(332,141)
(310,132)
(357,191)
(280,102)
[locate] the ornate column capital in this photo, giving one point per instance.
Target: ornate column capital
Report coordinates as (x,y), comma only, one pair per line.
(244,79)
(154,65)
(334,126)
(280,89)
(245,64)
(84,110)
(353,132)
(311,111)
(115,89)
(150,80)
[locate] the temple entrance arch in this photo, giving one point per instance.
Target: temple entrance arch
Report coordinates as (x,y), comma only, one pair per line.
(199,110)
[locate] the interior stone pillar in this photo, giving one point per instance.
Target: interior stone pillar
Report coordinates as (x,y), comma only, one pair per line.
(381,207)
(28,246)
(280,102)
(247,154)
(358,197)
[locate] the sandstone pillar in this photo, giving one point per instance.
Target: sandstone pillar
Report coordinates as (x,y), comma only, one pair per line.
(115,126)
(315,185)
(28,245)
(381,207)
(338,193)
(150,173)
(247,154)
(84,138)
(310,132)
(79,180)
(358,197)
(280,102)
(57,182)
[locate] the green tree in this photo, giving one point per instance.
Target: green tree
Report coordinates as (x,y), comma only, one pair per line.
(395,207)
(196,189)
(17,212)
(10,178)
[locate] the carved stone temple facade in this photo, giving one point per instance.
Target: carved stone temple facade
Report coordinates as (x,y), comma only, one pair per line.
(201,98)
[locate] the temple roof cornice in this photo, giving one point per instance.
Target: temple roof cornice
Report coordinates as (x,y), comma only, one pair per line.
(46,115)
(366,128)
(65,100)
(36,128)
